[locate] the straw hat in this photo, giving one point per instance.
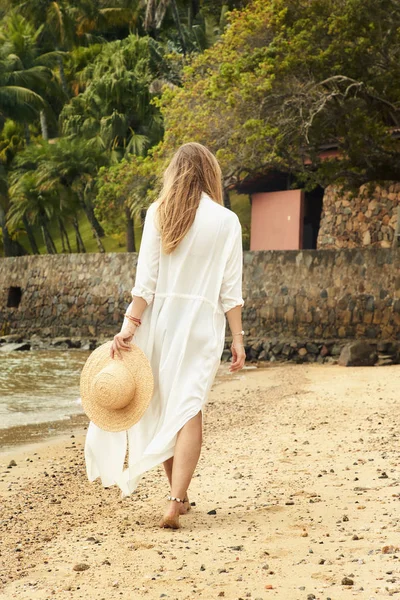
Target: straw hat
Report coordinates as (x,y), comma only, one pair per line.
(115,393)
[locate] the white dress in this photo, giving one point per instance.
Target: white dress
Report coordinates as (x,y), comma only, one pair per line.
(182,333)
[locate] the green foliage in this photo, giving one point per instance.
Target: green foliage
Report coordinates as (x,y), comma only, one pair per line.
(114,110)
(288,77)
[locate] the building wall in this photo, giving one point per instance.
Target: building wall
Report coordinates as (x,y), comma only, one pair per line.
(366,219)
(277,220)
(289,295)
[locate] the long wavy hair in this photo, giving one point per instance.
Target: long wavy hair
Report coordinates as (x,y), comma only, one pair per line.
(192,170)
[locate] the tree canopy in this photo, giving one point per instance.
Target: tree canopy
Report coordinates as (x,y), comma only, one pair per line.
(288,79)
(95,97)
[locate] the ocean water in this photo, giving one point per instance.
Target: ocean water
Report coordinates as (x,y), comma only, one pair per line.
(39,386)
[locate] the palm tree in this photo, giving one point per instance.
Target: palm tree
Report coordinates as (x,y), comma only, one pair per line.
(26,78)
(115,111)
(28,203)
(70,167)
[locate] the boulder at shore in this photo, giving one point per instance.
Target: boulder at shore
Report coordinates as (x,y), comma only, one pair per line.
(358,354)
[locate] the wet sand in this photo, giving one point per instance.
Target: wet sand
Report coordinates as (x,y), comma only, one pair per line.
(297,495)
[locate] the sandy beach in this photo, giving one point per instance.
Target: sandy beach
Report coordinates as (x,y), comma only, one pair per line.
(297,497)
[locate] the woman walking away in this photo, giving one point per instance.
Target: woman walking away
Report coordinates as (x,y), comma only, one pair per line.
(189,276)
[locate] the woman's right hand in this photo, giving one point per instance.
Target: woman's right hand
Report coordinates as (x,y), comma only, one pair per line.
(121,343)
(238,356)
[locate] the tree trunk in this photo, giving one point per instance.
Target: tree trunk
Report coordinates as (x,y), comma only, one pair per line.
(43,125)
(130,231)
(95,226)
(27,134)
(29,233)
(62,76)
(177,20)
(79,241)
(89,212)
(7,241)
(48,240)
(64,237)
(227,200)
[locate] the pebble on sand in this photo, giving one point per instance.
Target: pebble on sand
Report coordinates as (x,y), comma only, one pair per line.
(81,567)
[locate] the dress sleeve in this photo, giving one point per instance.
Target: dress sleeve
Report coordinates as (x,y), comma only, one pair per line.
(148,259)
(231,288)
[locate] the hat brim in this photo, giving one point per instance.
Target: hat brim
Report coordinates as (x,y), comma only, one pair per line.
(117,419)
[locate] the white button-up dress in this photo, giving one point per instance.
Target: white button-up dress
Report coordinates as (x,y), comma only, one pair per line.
(182,333)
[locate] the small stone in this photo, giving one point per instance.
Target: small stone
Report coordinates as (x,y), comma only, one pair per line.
(383,475)
(237,548)
(202,568)
(221,594)
(115,583)
(81,567)
(355,537)
(310,597)
(222,571)
(12,463)
(347,581)
(269,587)
(212,512)
(238,476)
(289,503)
(345,518)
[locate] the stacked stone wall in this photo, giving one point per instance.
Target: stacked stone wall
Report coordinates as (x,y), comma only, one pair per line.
(365,219)
(298,304)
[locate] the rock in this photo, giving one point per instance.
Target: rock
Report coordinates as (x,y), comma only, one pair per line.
(237,548)
(81,567)
(277,349)
(358,354)
(312,348)
(336,350)
(212,512)
(366,240)
(347,581)
(12,463)
(202,568)
(238,476)
(311,597)
(226,355)
(15,347)
(324,351)
(302,352)
(61,341)
(11,338)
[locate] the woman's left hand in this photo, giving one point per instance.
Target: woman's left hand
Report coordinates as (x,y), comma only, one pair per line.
(121,343)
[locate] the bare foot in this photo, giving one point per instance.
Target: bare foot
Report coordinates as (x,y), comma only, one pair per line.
(171,516)
(184,506)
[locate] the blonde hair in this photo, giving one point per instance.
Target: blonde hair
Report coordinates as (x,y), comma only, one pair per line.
(192,170)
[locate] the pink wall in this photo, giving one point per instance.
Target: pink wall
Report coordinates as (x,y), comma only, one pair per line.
(277,220)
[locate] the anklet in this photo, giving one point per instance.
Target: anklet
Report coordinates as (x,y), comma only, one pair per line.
(173,498)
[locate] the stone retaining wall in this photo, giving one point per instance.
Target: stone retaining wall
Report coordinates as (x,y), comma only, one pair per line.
(367,219)
(296,302)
